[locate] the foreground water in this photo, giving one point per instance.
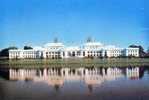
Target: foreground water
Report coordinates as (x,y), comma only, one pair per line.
(129,83)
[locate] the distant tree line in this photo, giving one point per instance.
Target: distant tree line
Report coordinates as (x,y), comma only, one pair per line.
(27,47)
(5,52)
(147,53)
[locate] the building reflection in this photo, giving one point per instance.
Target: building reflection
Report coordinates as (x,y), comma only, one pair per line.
(57,76)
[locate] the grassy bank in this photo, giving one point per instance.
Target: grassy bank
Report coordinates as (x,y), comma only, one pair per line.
(120,62)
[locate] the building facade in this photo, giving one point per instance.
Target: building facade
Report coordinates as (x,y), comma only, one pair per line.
(57,50)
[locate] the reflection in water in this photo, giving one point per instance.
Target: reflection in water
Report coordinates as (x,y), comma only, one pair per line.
(57,76)
(65,80)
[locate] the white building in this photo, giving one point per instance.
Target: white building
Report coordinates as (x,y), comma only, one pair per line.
(58,50)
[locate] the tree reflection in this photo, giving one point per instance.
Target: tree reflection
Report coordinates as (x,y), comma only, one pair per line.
(90,88)
(56,87)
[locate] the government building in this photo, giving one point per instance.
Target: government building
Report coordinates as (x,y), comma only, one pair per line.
(57,50)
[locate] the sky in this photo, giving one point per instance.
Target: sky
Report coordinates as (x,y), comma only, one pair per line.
(111,22)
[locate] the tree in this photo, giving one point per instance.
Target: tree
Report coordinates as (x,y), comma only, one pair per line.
(147,53)
(57,87)
(90,87)
(27,47)
(5,52)
(148,50)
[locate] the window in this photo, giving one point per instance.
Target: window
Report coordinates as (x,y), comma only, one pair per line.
(83,53)
(78,52)
(63,53)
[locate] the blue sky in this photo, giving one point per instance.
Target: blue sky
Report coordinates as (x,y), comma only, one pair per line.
(35,22)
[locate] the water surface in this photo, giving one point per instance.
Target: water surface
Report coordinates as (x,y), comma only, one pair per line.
(116,83)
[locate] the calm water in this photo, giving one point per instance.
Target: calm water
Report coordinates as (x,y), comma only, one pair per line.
(131,83)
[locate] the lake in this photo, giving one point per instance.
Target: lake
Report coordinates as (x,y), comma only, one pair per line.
(70,83)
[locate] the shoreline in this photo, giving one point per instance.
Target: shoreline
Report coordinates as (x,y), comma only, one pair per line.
(42,63)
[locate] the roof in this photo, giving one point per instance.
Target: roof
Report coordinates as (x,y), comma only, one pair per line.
(132,48)
(54,45)
(93,44)
(37,48)
(71,48)
(111,47)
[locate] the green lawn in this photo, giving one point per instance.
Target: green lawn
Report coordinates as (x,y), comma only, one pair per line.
(109,62)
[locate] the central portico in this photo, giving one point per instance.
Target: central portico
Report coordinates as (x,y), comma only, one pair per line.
(73,51)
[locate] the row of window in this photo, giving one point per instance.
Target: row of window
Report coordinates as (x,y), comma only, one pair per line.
(30,56)
(132,50)
(116,51)
(53,56)
(92,47)
(94,52)
(24,53)
(16,52)
(27,56)
(29,52)
(52,52)
(13,56)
